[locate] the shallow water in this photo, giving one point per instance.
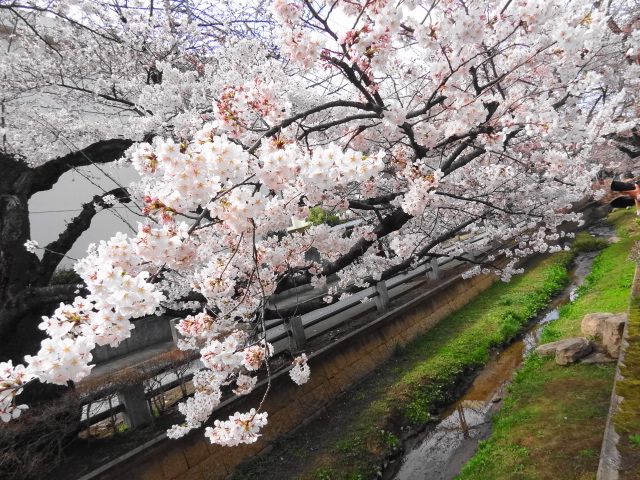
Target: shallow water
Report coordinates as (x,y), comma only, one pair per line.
(442,451)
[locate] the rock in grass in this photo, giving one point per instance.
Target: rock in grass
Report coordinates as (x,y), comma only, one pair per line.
(547,349)
(593,324)
(566,351)
(598,357)
(573,350)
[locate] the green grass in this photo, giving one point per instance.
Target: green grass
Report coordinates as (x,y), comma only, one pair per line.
(557,414)
(584,242)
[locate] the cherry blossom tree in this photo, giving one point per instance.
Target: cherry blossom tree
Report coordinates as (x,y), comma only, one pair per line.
(81,81)
(624,21)
(423,120)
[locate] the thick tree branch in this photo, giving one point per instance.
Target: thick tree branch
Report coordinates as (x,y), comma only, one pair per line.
(390,223)
(420,150)
(428,106)
(104,151)
(464,160)
(325,106)
(484,202)
(30,299)
(628,151)
(325,126)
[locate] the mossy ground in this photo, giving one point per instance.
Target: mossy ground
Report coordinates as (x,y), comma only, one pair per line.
(355,435)
(553,420)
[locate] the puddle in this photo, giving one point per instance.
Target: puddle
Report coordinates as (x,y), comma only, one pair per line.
(452,442)
(601,229)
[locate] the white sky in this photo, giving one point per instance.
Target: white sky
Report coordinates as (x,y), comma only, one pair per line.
(51,210)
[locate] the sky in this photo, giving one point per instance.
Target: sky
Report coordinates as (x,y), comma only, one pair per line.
(52,209)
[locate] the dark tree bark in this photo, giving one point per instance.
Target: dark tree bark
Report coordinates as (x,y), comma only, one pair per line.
(25,293)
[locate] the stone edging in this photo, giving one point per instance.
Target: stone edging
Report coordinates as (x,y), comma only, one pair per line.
(610,459)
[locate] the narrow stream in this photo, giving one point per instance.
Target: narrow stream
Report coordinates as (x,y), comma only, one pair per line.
(441,451)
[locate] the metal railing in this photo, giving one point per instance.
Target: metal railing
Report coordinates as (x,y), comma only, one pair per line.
(293,333)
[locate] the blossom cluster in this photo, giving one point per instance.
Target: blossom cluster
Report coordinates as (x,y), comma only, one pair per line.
(12,381)
(300,371)
(240,428)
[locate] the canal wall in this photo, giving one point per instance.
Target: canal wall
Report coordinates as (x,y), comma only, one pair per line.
(334,369)
(148,331)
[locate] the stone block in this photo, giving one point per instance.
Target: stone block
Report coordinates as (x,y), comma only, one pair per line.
(377,341)
(137,412)
(284,394)
(612,334)
(331,389)
(214,450)
(350,356)
(547,349)
(573,350)
(313,402)
(173,463)
(372,361)
(320,368)
(196,451)
(149,470)
(196,473)
(387,335)
(414,318)
(385,351)
(281,422)
(341,381)
(331,367)
(213,467)
(234,456)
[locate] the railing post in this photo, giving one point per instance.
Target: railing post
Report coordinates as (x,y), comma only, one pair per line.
(295,330)
(434,269)
(382,297)
(136,407)
(174,332)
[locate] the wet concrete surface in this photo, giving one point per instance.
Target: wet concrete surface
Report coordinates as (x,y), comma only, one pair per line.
(442,451)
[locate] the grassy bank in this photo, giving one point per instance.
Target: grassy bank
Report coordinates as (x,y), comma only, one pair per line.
(552,422)
(365,427)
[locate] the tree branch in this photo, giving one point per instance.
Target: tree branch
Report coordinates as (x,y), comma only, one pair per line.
(105,151)
(462,161)
(325,106)
(390,223)
(32,298)
(390,272)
